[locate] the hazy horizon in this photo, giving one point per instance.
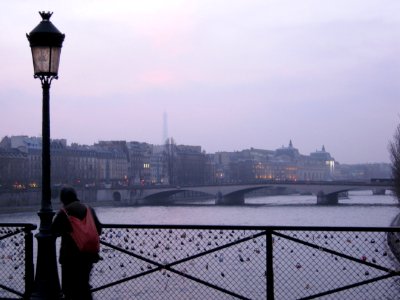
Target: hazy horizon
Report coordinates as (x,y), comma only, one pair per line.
(231,75)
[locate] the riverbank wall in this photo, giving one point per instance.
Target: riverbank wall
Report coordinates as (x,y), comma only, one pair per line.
(31,200)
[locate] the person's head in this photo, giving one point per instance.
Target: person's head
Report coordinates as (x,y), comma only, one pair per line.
(68,195)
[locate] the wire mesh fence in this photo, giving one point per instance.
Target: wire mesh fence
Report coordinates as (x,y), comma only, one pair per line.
(16,260)
(334,264)
(227,262)
(224,262)
(180,263)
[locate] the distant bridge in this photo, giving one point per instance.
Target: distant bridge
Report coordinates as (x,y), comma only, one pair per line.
(234,194)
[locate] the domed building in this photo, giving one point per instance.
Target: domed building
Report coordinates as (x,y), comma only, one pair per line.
(285,163)
(321,155)
(320,165)
(289,153)
(289,164)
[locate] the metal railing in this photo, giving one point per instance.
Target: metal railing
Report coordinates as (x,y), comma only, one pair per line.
(16,260)
(223,262)
(246,262)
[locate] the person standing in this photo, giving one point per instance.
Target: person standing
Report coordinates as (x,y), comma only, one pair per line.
(76,265)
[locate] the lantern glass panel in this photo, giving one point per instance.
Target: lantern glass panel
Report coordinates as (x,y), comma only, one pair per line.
(55,59)
(46,60)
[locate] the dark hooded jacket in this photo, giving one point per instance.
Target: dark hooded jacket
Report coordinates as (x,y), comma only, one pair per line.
(62,227)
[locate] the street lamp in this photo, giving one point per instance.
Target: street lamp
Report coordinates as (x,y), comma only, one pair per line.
(46,41)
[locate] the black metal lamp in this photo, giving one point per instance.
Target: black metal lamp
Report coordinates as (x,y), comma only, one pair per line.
(46,41)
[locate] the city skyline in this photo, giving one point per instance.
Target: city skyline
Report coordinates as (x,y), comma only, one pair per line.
(230,76)
(35,143)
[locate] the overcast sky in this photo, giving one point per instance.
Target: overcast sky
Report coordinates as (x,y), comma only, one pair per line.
(230,74)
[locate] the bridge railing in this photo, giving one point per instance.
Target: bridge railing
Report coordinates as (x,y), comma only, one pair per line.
(16,260)
(245,262)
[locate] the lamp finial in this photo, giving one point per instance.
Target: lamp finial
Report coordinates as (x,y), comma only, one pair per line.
(45,15)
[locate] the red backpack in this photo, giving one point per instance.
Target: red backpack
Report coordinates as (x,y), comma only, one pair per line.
(84,232)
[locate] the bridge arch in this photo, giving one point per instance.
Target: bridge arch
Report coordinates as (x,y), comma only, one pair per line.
(116,196)
(326,192)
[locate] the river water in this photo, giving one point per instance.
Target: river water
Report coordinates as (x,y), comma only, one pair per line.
(360,209)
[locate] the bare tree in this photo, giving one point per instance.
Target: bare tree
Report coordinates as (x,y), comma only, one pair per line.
(394,148)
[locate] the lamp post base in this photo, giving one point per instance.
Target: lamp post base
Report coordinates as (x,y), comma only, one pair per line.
(47,285)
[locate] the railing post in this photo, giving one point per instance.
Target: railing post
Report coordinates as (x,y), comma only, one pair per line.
(29,267)
(270,265)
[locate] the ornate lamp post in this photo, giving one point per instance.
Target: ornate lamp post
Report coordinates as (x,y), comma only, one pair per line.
(46,41)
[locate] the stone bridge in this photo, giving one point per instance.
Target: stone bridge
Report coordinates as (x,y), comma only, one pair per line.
(326,192)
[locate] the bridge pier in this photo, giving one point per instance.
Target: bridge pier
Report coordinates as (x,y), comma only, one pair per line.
(231,199)
(378,191)
(327,199)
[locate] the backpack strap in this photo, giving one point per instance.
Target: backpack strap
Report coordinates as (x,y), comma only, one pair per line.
(65,211)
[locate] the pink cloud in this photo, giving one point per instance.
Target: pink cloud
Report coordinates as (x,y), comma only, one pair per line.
(158,78)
